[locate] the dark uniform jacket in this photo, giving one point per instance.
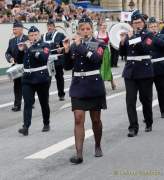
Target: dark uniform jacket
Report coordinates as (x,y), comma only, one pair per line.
(12,50)
(78,60)
(36,56)
(157,53)
(138,46)
(55,43)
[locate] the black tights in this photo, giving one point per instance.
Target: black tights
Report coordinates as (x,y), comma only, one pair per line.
(79,130)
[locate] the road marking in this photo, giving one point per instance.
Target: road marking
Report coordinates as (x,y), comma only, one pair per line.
(155,103)
(6,104)
(115,95)
(60,146)
(67,78)
(66,105)
(36,97)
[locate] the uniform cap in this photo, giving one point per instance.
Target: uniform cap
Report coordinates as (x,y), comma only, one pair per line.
(85,19)
(17,24)
(152,20)
(137,15)
(33,29)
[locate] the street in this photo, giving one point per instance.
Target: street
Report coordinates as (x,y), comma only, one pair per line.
(45,155)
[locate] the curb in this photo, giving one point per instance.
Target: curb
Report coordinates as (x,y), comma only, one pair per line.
(4,79)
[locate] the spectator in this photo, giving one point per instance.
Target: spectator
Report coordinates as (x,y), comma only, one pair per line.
(16,10)
(34,11)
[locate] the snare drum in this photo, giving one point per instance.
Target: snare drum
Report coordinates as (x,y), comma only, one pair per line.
(15,71)
(51,63)
(53,57)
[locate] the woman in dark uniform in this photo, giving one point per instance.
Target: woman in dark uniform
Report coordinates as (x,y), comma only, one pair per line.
(87,89)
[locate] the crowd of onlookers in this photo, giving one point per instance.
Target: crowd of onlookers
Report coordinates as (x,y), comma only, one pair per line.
(41,11)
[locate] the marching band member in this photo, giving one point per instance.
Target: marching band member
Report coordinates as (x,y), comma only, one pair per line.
(138,73)
(54,39)
(35,78)
(87,89)
(13,57)
(158,61)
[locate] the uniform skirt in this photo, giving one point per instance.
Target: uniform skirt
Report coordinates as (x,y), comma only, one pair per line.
(87,104)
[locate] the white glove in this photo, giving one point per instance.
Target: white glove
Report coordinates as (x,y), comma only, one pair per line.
(12,60)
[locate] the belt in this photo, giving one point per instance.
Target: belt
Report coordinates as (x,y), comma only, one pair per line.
(88,73)
(138,58)
(157,60)
(35,69)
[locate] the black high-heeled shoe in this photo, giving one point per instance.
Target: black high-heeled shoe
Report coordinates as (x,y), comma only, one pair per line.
(98,152)
(76,160)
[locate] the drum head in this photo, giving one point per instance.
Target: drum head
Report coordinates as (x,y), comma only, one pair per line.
(115,31)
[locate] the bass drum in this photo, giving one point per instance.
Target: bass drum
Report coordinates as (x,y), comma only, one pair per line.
(115,32)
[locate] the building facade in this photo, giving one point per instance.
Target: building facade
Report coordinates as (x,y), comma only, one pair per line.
(149,7)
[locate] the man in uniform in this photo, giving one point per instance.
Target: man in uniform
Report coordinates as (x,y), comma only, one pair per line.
(138,73)
(54,39)
(35,79)
(13,57)
(158,61)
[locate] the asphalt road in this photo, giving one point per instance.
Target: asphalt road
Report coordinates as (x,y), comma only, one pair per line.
(45,156)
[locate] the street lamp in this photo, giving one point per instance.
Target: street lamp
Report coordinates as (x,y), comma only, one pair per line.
(131,5)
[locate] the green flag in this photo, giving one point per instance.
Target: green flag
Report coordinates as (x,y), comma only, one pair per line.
(105,69)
